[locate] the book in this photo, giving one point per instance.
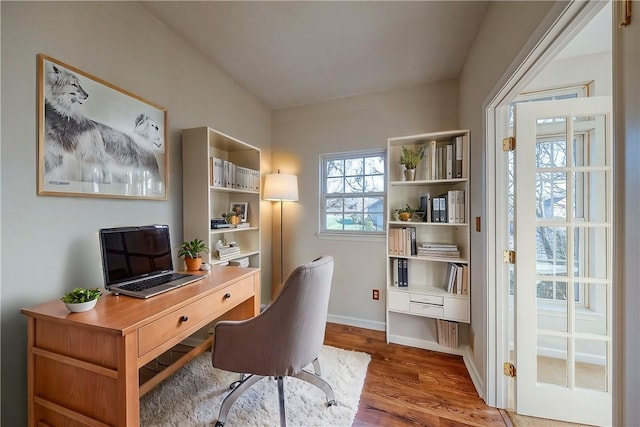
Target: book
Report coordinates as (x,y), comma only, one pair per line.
(443,212)
(438,254)
(449,161)
(458,156)
(447,333)
(425,206)
(435,210)
(395,269)
(405,272)
(433,159)
(438,246)
(240,262)
(450,278)
(465,280)
(414,244)
(452,200)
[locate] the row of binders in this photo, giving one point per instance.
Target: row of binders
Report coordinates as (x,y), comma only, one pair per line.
(445,160)
(448,207)
(223,173)
(457,279)
(447,333)
(402,241)
(400,272)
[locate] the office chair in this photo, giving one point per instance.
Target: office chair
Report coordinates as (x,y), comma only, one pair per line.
(286,337)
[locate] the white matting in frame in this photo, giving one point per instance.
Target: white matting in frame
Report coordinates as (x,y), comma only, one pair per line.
(97,140)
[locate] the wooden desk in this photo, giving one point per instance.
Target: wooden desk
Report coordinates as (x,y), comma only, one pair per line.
(83,368)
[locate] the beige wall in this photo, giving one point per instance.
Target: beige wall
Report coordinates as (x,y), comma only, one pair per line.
(506,29)
(49,244)
(301,135)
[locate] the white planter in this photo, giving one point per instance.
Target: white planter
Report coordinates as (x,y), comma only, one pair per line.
(81,306)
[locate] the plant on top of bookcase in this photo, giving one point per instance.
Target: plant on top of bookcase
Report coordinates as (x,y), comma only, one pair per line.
(410,158)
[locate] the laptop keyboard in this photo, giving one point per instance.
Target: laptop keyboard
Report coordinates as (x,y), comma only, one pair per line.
(151,282)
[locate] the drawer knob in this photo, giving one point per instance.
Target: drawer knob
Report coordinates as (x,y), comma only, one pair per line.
(184,318)
(227,296)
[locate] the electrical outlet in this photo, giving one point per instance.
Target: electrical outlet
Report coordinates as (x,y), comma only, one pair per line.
(376,294)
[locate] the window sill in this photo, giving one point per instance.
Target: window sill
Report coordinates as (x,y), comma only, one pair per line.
(352,237)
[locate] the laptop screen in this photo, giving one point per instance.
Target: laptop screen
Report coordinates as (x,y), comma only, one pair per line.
(130,253)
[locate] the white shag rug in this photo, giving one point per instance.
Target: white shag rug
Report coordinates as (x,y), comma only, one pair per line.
(193,395)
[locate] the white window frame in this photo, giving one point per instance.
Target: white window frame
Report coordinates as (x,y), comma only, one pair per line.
(573,91)
(350,234)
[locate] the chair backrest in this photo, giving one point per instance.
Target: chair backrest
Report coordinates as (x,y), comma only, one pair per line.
(289,333)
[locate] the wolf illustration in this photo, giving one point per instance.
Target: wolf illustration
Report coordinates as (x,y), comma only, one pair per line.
(80,149)
(148,132)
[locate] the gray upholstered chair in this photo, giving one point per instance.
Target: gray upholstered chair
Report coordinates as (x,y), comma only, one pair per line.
(286,337)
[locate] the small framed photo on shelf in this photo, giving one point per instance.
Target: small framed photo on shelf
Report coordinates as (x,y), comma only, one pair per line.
(240,209)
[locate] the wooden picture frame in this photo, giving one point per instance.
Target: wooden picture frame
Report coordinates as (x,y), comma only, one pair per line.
(97,140)
(241,209)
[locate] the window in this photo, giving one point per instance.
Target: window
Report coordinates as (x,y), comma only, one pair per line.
(551,187)
(352,194)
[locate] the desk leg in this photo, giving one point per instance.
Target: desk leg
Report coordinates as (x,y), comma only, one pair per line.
(256,294)
(31,417)
(128,393)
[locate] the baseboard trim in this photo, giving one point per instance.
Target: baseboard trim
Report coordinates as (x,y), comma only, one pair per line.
(358,323)
(467,357)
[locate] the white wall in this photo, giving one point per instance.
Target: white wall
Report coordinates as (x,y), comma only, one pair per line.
(505,31)
(49,244)
(301,135)
(579,69)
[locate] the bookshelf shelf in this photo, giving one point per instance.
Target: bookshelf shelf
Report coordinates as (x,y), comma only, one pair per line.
(232,190)
(424,288)
(213,160)
(232,230)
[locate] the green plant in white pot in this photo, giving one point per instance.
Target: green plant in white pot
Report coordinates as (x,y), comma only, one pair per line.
(81,299)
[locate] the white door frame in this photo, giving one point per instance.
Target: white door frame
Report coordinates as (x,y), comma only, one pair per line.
(535,56)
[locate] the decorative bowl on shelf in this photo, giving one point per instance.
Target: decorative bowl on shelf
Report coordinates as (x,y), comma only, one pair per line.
(405,216)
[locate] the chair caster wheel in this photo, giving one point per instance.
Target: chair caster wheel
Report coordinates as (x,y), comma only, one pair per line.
(332,403)
(219,424)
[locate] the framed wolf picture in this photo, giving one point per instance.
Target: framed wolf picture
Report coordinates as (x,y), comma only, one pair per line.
(97,140)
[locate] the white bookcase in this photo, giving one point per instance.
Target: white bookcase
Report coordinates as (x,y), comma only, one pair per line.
(413,310)
(203,201)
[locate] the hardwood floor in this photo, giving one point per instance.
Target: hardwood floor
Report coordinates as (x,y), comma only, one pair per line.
(406,386)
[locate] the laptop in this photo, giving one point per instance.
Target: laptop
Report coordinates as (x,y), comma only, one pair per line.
(137,261)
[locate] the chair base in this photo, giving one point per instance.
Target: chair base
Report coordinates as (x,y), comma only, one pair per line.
(239,387)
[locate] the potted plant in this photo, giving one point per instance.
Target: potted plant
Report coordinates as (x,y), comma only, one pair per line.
(232,217)
(191,252)
(81,299)
(410,158)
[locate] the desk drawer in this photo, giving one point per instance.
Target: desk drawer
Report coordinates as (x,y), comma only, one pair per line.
(186,320)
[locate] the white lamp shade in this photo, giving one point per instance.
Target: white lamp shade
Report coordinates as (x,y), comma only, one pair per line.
(281,187)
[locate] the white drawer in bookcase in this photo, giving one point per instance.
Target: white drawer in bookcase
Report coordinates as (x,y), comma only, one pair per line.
(426,299)
(398,300)
(456,309)
(426,309)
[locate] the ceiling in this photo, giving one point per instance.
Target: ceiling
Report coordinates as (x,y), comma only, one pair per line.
(292,53)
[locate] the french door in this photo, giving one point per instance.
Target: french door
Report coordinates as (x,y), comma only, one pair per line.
(563,274)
